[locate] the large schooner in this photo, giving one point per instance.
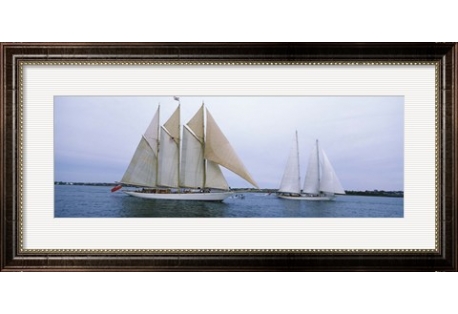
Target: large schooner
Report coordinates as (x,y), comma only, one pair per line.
(168,166)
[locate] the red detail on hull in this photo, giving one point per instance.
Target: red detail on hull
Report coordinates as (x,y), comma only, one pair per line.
(116,188)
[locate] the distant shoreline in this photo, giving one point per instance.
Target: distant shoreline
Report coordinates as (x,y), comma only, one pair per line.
(376,193)
(248,190)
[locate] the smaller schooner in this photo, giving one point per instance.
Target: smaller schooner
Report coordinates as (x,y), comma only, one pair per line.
(169,166)
(321,182)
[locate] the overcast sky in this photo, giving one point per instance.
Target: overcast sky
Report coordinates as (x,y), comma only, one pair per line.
(95,137)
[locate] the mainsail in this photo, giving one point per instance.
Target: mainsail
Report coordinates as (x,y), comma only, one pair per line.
(169,151)
(142,168)
(192,156)
(312,176)
(329,181)
(291,181)
(321,176)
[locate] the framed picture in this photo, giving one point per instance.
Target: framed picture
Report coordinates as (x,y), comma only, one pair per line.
(228,156)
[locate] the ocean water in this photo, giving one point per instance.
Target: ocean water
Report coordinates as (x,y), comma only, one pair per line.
(97,201)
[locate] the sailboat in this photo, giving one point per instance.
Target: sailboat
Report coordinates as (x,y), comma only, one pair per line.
(170,165)
(321,182)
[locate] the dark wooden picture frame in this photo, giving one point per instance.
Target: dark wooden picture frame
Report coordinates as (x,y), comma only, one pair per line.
(446,54)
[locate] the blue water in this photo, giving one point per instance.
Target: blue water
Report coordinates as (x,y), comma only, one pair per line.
(98,201)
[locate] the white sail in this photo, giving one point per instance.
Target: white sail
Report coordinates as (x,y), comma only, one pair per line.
(173,125)
(169,152)
(196,124)
(192,152)
(215,178)
(142,168)
(329,182)
(312,176)
(192,161)
(291,181)
(152,132)
(219,150)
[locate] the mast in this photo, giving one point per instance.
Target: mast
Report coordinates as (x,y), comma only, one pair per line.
(192,152)
(298,163)
(158,142)
(318,164)
(312,175)
(204,160)
(170,151)
(178,140)
(179,143)
(291,182)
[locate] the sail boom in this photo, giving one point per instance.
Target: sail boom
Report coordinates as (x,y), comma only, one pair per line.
(138,185)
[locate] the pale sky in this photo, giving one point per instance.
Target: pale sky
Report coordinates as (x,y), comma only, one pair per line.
(363,137)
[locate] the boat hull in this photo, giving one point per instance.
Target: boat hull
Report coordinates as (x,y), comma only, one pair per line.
(210,197)
(308,198)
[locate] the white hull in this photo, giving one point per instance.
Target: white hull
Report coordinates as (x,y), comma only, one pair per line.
(307,197)
(212,197)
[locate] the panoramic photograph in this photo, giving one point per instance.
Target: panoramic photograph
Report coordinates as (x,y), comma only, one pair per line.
(181,156)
